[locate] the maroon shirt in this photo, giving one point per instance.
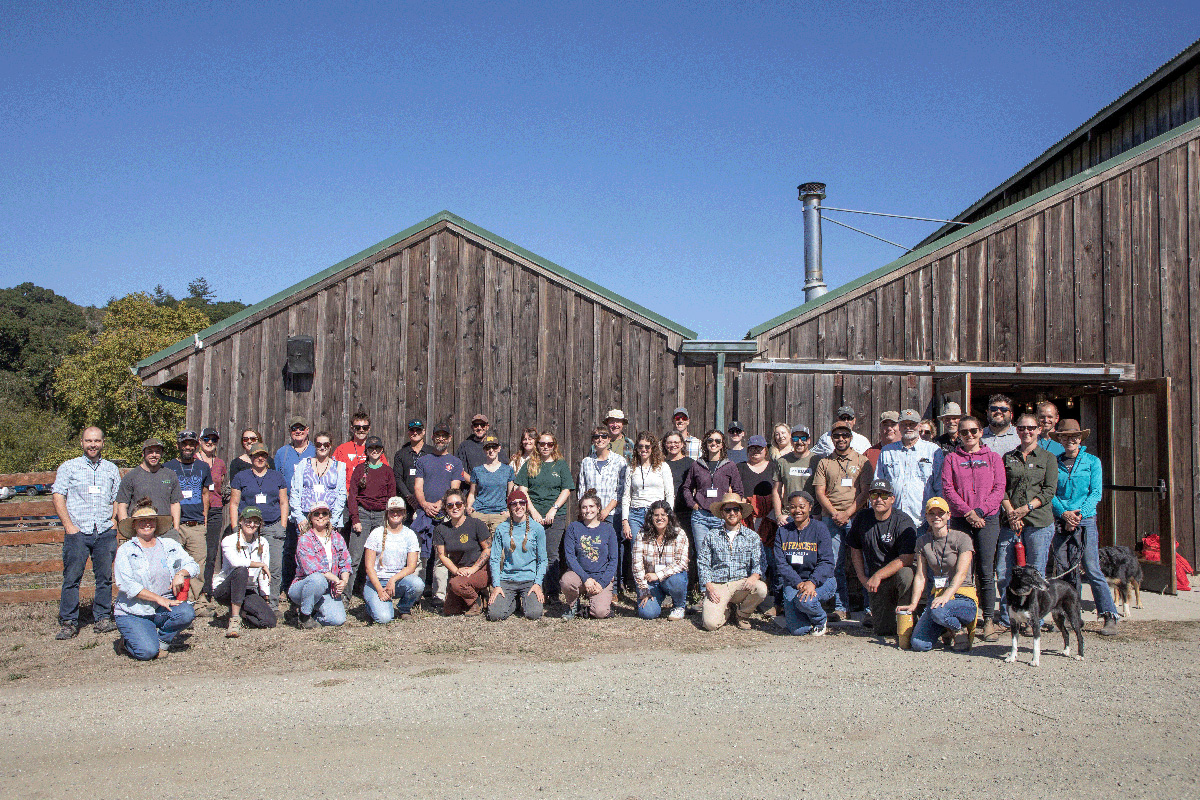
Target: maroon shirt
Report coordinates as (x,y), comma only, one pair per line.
(381,484)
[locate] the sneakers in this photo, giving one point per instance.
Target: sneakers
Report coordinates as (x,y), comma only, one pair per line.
(572,610)
(742,624)
(1110,627)
(67,631)
(820,630)
(105,625)
(235,627)
(676,613)
(305,622)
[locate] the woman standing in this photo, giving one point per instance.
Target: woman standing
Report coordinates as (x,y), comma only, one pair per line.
(517,569)
(943,561)
(244,582)
(391,556)
(462,545)
(525,450)
(150,573)
(547,476)
(319,478)
(660,563)
(712,476)
(250,437)
(781,440)
(650,480)
(322,572)
(217,492)
(591,549)
(491,482)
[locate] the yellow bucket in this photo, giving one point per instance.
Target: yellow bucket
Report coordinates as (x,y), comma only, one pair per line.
(904,628)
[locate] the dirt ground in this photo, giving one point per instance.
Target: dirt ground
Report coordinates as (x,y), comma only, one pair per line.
(436,707)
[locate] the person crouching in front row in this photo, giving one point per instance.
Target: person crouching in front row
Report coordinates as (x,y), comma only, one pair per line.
(322,571)
(730,561)
(804,568)
(244,580)
(391,558)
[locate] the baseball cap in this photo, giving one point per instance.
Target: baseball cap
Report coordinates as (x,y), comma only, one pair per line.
(146,445)
(209,433)
(846,411)
(416,424)
(681,410)
(882,485)
(615,413)
(757,441)
(441,427)
(801,429)
(736,426)
(889,416)
(936,502)
(294,421)
(251,512)
(187,436)
(840,425)
(319,505)
(491,441)
(909,415)
(395,502)
(258,447)
(481,418)
(373,441)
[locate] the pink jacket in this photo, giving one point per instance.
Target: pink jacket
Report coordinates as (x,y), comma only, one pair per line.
(973,481)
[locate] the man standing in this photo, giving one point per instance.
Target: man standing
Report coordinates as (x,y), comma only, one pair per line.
(1047,417)
(948,438)
(681,419)
(406,464)
(841,482)
(882,541)
(1000,436)
(889,433)
(858,443)
(84,495)
(149,479)
(194,478)
(619,443)
(470,452)
(730,563)
(912,466)
(796,469)
(737,443)
(291,454)
(353,452)
(437,472)
(368,489)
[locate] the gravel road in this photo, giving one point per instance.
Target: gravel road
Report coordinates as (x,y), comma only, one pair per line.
(616,709)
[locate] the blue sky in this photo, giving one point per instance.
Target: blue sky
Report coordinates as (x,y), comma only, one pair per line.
(653,148)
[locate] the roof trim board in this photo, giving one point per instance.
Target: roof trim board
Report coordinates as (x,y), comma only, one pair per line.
(442,216)
(975,227)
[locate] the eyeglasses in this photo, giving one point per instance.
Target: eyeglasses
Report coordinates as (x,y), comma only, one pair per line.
(518,503)
(361,427)
(321,513)
(999,408)
(1029,427)
(457,504)
(323,445)
(679,417)
(249,438)
(968,431)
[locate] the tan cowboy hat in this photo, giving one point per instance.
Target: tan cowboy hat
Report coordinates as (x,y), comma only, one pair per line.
(145,511)
(1070,427)
(730,497)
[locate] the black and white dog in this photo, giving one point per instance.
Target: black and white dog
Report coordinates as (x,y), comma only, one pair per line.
(1123,572)
(1030,597)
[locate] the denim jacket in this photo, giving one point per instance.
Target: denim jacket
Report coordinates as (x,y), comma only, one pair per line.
(131,573)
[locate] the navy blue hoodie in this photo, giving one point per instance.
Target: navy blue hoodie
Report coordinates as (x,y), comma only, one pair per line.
(814,549)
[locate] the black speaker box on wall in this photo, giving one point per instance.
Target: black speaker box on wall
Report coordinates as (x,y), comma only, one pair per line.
(300,355)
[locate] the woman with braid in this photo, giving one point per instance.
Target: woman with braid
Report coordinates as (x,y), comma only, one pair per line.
(391,556)
(244,581)
(518,562)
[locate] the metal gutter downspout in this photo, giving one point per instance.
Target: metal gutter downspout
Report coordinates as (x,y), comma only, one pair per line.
(720,391)
(720,352)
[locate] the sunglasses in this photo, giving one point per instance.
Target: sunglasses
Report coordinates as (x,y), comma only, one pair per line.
(714,441)
(208,439)
(374,449)
(479,424)
(545,444)
(731,510)
(800,438)
(878,495)
(968,431)
(415,431)
(249,438)
(323,444)
(321,514)
(295,428)
(521,503)
(643,447)
(598,436)
(839,436)
(844,418)
(999,408)
(456,504)
(1029,427)
(361,427)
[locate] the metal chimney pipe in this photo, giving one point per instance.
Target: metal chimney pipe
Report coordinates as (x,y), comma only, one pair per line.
(811,195)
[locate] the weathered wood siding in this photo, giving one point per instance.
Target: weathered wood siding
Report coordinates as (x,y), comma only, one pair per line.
(441,327)
(1106,271)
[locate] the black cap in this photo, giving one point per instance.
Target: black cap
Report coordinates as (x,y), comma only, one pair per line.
(187,436)
(881,485)
(373,441)
(415,424)
(736,426)
(442,427)
(209,433)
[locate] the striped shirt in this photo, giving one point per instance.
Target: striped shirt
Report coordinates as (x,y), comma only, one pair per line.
(648,557)
(91,489)
(721,560)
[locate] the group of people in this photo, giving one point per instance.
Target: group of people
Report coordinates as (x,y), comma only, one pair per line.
(747,525)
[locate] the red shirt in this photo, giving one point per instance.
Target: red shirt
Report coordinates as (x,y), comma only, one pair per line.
(352,454)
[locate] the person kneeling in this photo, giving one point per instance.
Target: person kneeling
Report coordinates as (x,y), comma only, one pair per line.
(804,568)
(944,559)
(590,545)
(730,562)
(517,571)
(322,571)
(391,556)
(660,563)
(244,582)
(881,541)
(151,572)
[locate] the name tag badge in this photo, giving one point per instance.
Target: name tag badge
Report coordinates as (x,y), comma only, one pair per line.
(187,494)
(847,481)
(940,583)
(260,498)
(412,472)
(212,487)
(797,472)
(93,490)
(797,558)
(711,492)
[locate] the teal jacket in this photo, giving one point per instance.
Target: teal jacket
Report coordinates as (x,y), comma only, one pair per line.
(526,561)
(1079,488)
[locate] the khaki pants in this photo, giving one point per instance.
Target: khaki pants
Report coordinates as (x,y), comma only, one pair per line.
(746,600)
(491,520)
(194,538)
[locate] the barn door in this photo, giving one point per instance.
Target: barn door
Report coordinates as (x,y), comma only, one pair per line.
(1136,446)
(956,388)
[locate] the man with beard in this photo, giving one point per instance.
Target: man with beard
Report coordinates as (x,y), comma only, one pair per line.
(912,466)
(1000,436)
(149,479)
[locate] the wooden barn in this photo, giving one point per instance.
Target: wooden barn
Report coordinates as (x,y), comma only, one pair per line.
(440,322)
(1078,280)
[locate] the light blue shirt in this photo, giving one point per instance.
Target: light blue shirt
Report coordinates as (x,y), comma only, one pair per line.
(132,573)
(526,561)
(914,472)
(1050,446)
(286,460)
(91,490)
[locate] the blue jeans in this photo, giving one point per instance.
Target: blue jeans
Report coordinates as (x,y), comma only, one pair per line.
(837,533)
(704,523)
(76,549)
(951,617)
(315,598)
(1037,550)
(1090,568)
(804,615)
(145,636)
(674,585)
(637,518)
(624,577)
(408,591)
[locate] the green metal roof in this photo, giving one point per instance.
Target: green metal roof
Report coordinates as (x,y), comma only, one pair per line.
(961,233)
(443,216)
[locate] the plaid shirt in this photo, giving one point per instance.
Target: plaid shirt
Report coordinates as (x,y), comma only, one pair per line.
(692,447)
(90,511)
(310,556)
(647,556)
(608,479)
(719,561)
